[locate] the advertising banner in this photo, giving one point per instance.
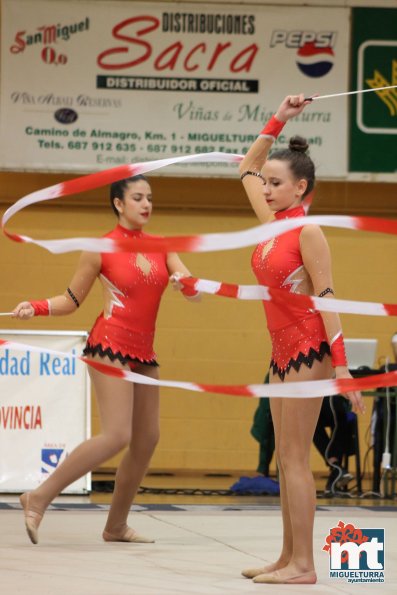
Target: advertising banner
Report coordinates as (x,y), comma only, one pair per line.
(374,115)
(44,409)
(91,85)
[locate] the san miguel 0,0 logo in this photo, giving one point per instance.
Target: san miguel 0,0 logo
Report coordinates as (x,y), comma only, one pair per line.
(356,555)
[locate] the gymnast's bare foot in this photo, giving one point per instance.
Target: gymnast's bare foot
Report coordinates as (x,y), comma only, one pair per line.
(126,534)
(33,515)
(290,574)
(253,572)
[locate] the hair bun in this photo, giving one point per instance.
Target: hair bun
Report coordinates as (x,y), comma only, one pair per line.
(299,144)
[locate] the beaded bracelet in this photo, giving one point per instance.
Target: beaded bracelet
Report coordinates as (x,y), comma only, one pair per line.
(74,298)
(327,290)
(251,173)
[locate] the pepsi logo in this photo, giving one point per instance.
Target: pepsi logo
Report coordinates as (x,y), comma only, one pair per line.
(314,61)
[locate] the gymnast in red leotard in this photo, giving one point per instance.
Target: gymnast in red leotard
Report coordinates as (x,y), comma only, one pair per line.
(306,344)
(122,336)
(298,336)
(133,285)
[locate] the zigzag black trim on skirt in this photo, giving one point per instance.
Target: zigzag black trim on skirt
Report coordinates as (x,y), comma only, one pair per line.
(124,359)
(308,360)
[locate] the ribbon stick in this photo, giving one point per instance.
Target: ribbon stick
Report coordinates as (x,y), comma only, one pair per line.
(6,313)
(308,389)
(268,294)
(315,97)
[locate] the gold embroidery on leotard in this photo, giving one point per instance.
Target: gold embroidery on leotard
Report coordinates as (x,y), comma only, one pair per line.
(267,247)
(143,264)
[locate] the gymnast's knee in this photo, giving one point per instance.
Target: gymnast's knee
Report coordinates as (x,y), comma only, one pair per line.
(146,443)
(118,440)
(290,458)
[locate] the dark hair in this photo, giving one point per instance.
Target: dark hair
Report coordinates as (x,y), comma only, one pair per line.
(117,189)
(299,162)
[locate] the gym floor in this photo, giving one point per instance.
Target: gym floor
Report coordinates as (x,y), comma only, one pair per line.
(204,538)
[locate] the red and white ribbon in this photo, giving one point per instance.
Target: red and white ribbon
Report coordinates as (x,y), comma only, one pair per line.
(309,389)
(193,243)
(208,243)
(267,294)
(91,182)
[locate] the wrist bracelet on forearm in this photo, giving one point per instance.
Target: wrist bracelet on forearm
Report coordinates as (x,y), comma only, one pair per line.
(41,307)
(272,128)
(338,353)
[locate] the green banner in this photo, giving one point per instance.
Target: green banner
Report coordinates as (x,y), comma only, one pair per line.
(373,116)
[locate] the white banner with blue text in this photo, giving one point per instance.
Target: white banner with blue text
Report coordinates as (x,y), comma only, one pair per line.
(44,408)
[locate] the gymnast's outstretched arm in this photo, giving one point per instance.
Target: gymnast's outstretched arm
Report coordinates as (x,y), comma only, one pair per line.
(83,279)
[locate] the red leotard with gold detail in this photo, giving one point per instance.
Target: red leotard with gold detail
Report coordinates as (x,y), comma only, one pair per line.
(298,335)
(133,284)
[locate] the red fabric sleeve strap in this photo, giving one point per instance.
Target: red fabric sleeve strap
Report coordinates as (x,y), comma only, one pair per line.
(273,127)
(41,307)
(338,353)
